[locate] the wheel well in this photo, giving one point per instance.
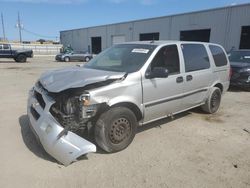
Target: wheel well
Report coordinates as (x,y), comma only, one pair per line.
(132,107)
(20,54)
(220,86)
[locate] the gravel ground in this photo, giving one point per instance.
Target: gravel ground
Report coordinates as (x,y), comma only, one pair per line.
(192,150)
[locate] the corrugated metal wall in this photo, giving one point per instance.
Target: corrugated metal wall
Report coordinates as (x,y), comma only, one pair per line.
(225,24)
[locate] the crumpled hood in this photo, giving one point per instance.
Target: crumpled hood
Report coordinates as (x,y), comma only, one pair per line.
(73,77)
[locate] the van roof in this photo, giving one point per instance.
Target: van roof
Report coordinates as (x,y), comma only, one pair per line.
(163,42)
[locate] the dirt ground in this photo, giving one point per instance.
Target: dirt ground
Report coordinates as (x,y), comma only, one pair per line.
(192,150)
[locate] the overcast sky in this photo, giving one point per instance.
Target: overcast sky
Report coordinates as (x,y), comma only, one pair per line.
(45,18)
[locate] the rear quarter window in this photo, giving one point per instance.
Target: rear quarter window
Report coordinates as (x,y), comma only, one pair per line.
(5,47)
(195,57)
(218,55)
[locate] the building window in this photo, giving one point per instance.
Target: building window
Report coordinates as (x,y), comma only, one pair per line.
(195,57)
(149,36)
(202,35)
(245,37)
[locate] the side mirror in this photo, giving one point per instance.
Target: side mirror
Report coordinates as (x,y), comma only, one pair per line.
(157,72)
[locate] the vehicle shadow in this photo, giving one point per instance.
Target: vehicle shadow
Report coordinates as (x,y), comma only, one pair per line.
(36,148)
(236,89)
(8,61)
(161,122)
(155,124)
(30,140)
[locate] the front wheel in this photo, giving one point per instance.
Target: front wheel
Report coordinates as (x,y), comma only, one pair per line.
(115,129)
(213,102)
(87,59)
(66,59)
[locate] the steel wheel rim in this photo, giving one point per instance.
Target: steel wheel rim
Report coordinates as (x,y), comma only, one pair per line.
(120,130)
(215,100)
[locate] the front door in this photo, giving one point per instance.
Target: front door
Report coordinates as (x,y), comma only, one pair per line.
(161,96)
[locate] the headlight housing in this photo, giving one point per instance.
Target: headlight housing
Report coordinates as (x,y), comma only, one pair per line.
(85,99)
(88,110)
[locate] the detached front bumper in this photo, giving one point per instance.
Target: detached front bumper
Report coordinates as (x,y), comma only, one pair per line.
(64,148)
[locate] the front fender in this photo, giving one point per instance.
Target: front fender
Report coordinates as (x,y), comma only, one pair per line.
(118,100)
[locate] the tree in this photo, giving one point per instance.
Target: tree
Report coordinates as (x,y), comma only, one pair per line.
(41,41)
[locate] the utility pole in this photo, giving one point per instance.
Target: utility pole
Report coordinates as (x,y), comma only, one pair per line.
(4,37)
(19,26)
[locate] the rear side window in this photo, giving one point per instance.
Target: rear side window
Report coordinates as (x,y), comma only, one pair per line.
(5,47)
(1,47)
(218,55)
(195,57)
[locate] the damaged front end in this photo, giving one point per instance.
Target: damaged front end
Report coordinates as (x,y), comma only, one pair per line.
(55,117)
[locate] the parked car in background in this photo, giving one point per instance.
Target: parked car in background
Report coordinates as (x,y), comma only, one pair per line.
(125,86)
(240,64)
(74,56)
(18,55)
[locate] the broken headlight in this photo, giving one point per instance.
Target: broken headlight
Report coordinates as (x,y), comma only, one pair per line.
(73,111)
(88,110)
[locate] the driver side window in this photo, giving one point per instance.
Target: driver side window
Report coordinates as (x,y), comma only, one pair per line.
(168,58)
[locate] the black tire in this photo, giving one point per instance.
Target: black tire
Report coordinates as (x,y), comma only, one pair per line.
(115,129)
(87,59)
(21,58)
(213,102)
(66,59)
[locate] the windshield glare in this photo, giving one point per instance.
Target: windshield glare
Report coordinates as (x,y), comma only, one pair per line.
(122,58)
(240,56)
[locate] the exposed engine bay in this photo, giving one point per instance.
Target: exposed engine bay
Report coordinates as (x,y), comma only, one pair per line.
(72,108)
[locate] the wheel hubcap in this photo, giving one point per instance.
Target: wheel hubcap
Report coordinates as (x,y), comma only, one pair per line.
(215,100)
(120,130)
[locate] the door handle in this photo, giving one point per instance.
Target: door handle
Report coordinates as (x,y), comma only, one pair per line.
(189,77)
(179,79)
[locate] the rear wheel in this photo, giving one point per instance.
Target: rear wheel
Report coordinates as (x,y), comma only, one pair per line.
(115,129)
(21,58)
(213,102)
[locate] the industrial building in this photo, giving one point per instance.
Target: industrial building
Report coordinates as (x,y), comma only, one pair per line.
(228,26)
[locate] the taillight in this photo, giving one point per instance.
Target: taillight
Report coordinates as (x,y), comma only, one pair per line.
(230,72)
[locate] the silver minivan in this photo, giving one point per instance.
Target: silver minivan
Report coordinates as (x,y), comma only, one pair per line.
(125,86)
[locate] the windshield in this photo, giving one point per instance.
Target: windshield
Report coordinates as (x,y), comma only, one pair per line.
(122,58)
(240,56)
